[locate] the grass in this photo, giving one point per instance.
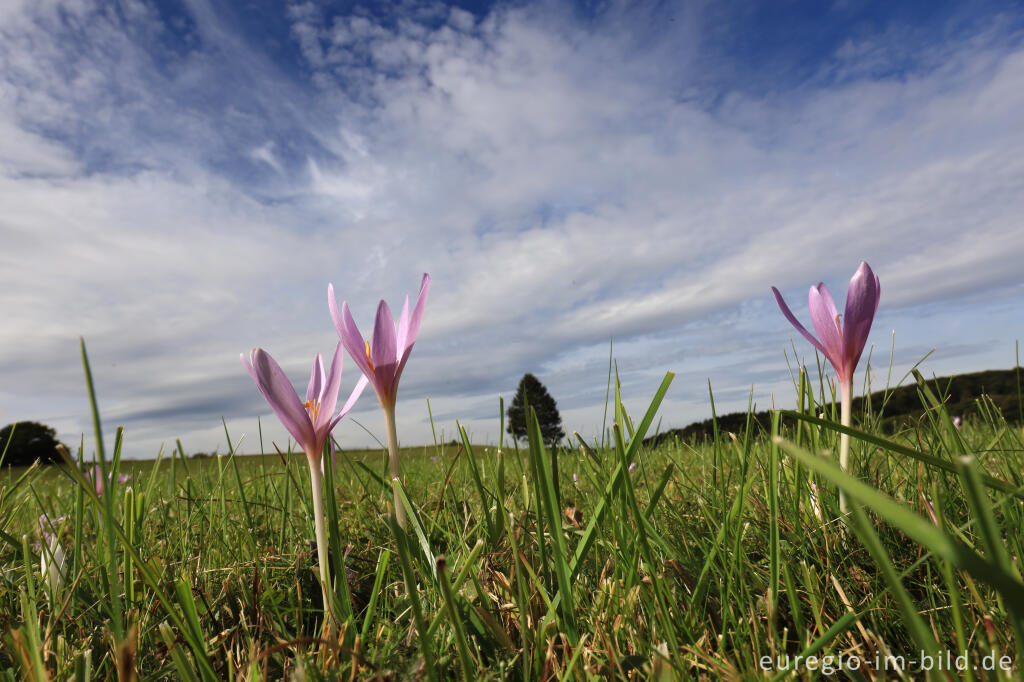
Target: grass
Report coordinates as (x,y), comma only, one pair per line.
(526,563)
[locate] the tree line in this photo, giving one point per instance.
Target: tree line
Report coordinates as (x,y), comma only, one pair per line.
(902,406)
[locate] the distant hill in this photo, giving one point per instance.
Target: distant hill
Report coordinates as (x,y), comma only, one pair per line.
(902,407)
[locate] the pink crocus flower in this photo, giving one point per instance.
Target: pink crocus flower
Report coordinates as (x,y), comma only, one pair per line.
(310,423)
(841,338)
(95,474)
(382,359)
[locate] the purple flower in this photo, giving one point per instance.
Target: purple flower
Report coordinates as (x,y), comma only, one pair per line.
(383,358)
(632,467)
(841,340)
(842,337)
(95,474)
(311,422)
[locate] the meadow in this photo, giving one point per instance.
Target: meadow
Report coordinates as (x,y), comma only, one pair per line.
(606,559)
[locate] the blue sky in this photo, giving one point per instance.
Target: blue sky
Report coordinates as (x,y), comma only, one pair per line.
(180,182)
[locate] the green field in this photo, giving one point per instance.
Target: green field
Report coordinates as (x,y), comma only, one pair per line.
(703,562)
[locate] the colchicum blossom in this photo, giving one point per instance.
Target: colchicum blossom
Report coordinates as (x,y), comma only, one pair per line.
(841,338)
(310,423)
(382,359)
(95,474)
(52,561)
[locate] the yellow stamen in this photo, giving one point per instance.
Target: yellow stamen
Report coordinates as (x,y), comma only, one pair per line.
(368,361)
(313,407)
(839,324)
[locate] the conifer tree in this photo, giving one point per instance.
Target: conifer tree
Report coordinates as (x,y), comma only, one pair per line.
(533,393)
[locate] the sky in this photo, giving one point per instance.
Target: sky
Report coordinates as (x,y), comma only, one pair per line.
(180,181)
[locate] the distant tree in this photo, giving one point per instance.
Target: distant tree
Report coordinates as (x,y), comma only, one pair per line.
(28,442)
(531,392)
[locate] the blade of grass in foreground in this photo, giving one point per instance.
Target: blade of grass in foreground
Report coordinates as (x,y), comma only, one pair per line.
(378,583)
(892,446)
(116,534)
(106,516)
(911,617)
(838,628)
(935,540)
(611,490)
(151,580)
(546,485)
(401,541)
(773,520)
(492,524)
(462,645)
(417,527)
(988,527)
(338,592)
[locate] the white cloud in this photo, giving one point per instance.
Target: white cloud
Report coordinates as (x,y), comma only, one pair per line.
(549,175)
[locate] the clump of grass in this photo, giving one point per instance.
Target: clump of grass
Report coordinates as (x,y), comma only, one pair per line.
(700,562)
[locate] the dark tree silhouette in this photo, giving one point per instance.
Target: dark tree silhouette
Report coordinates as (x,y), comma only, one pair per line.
(27,442)
(531,392)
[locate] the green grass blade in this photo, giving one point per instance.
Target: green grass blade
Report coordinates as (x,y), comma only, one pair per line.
(911,616)
(898,448)
(461,643)
(417,528)
(932,538)
(426,648)
(559,549)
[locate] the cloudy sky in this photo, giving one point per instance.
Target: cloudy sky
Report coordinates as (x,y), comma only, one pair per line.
(180,181)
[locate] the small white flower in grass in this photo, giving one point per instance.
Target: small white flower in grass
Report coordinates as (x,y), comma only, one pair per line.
(52,561)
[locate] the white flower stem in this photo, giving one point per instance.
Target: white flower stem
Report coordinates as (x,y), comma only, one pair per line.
(845,408)
(396,470)
(316,478)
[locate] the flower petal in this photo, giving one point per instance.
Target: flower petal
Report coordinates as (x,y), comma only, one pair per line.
(349,333)
(796,323)
(352,398)
(384,350)
(414,324)
(316,380)
(861,304)
(823,317)
(403,327)
(280,395)
(329,395)
(417,313)
(878,294)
